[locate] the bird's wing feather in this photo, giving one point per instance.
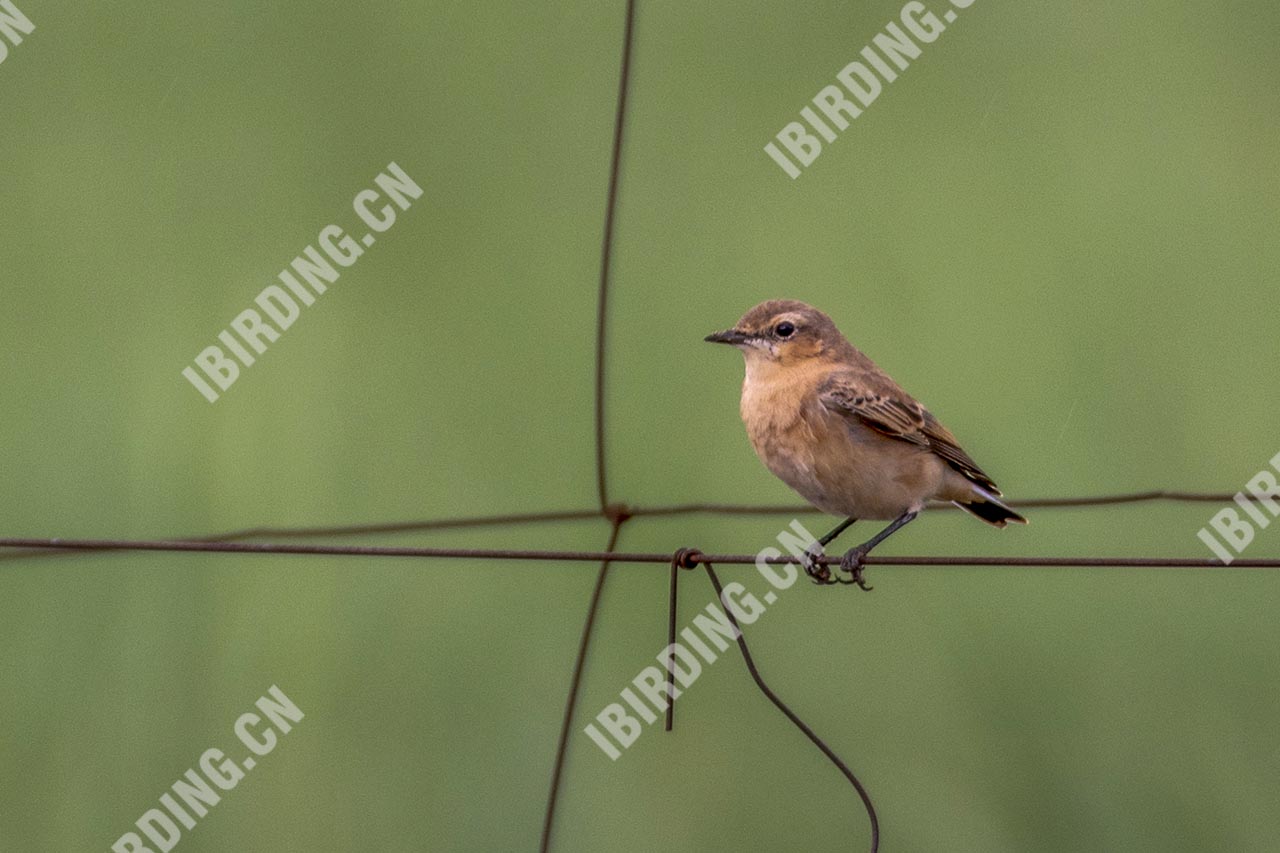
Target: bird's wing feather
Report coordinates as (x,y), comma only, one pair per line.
(876,401)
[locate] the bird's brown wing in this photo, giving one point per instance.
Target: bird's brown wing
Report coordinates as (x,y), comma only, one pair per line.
(876,401)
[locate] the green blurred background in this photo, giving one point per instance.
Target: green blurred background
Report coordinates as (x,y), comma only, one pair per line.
(1057,228)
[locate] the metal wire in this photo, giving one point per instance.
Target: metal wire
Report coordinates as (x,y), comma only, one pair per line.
(611,556)
(616,515)
(606,248)
(1152,495)
(608,512)
(571,702)
(692,557)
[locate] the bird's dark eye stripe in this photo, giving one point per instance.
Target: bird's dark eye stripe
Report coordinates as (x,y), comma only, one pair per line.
(784,329)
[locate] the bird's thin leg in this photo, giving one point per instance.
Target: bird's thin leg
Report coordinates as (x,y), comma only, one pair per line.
(821,574)
(840,528)
(851,562)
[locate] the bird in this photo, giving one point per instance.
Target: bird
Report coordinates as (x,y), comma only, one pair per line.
(828,422)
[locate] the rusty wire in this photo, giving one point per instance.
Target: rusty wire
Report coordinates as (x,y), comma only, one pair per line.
(617,517)
(575,682)
(617,514)
(26,547)
(687,558)
(611,556)
(691,558)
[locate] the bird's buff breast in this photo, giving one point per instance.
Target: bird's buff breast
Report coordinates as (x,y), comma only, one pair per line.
(841,468)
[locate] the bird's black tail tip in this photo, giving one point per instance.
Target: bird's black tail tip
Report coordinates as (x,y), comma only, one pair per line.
(992,512)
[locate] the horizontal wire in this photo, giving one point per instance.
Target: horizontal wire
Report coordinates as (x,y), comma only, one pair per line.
(612,556)
(459,523)
(625,511)
(1084,501)
(407,526)
(45,548)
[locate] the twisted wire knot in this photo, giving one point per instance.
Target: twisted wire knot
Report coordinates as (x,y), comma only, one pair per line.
(686,558)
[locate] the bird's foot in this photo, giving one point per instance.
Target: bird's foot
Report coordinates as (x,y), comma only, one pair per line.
(851,562)
(817,572)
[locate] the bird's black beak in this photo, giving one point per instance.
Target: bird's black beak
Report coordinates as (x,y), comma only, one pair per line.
(729,336)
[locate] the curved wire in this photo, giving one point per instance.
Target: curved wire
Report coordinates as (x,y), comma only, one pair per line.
(791,715)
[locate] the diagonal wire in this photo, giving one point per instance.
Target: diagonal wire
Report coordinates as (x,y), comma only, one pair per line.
(566,723)
(782,706)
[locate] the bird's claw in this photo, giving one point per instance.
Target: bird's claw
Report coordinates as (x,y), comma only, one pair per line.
(822,575)
(817,572)
(851,562)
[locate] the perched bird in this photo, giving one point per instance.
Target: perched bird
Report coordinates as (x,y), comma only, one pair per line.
(834,427)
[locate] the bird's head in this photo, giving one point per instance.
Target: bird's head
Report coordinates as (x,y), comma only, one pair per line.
(783,332)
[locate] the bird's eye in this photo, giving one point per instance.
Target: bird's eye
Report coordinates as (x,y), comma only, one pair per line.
(784,330)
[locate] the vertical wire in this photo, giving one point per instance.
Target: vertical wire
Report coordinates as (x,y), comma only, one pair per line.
(606,252)
(671,642)
(615,516)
